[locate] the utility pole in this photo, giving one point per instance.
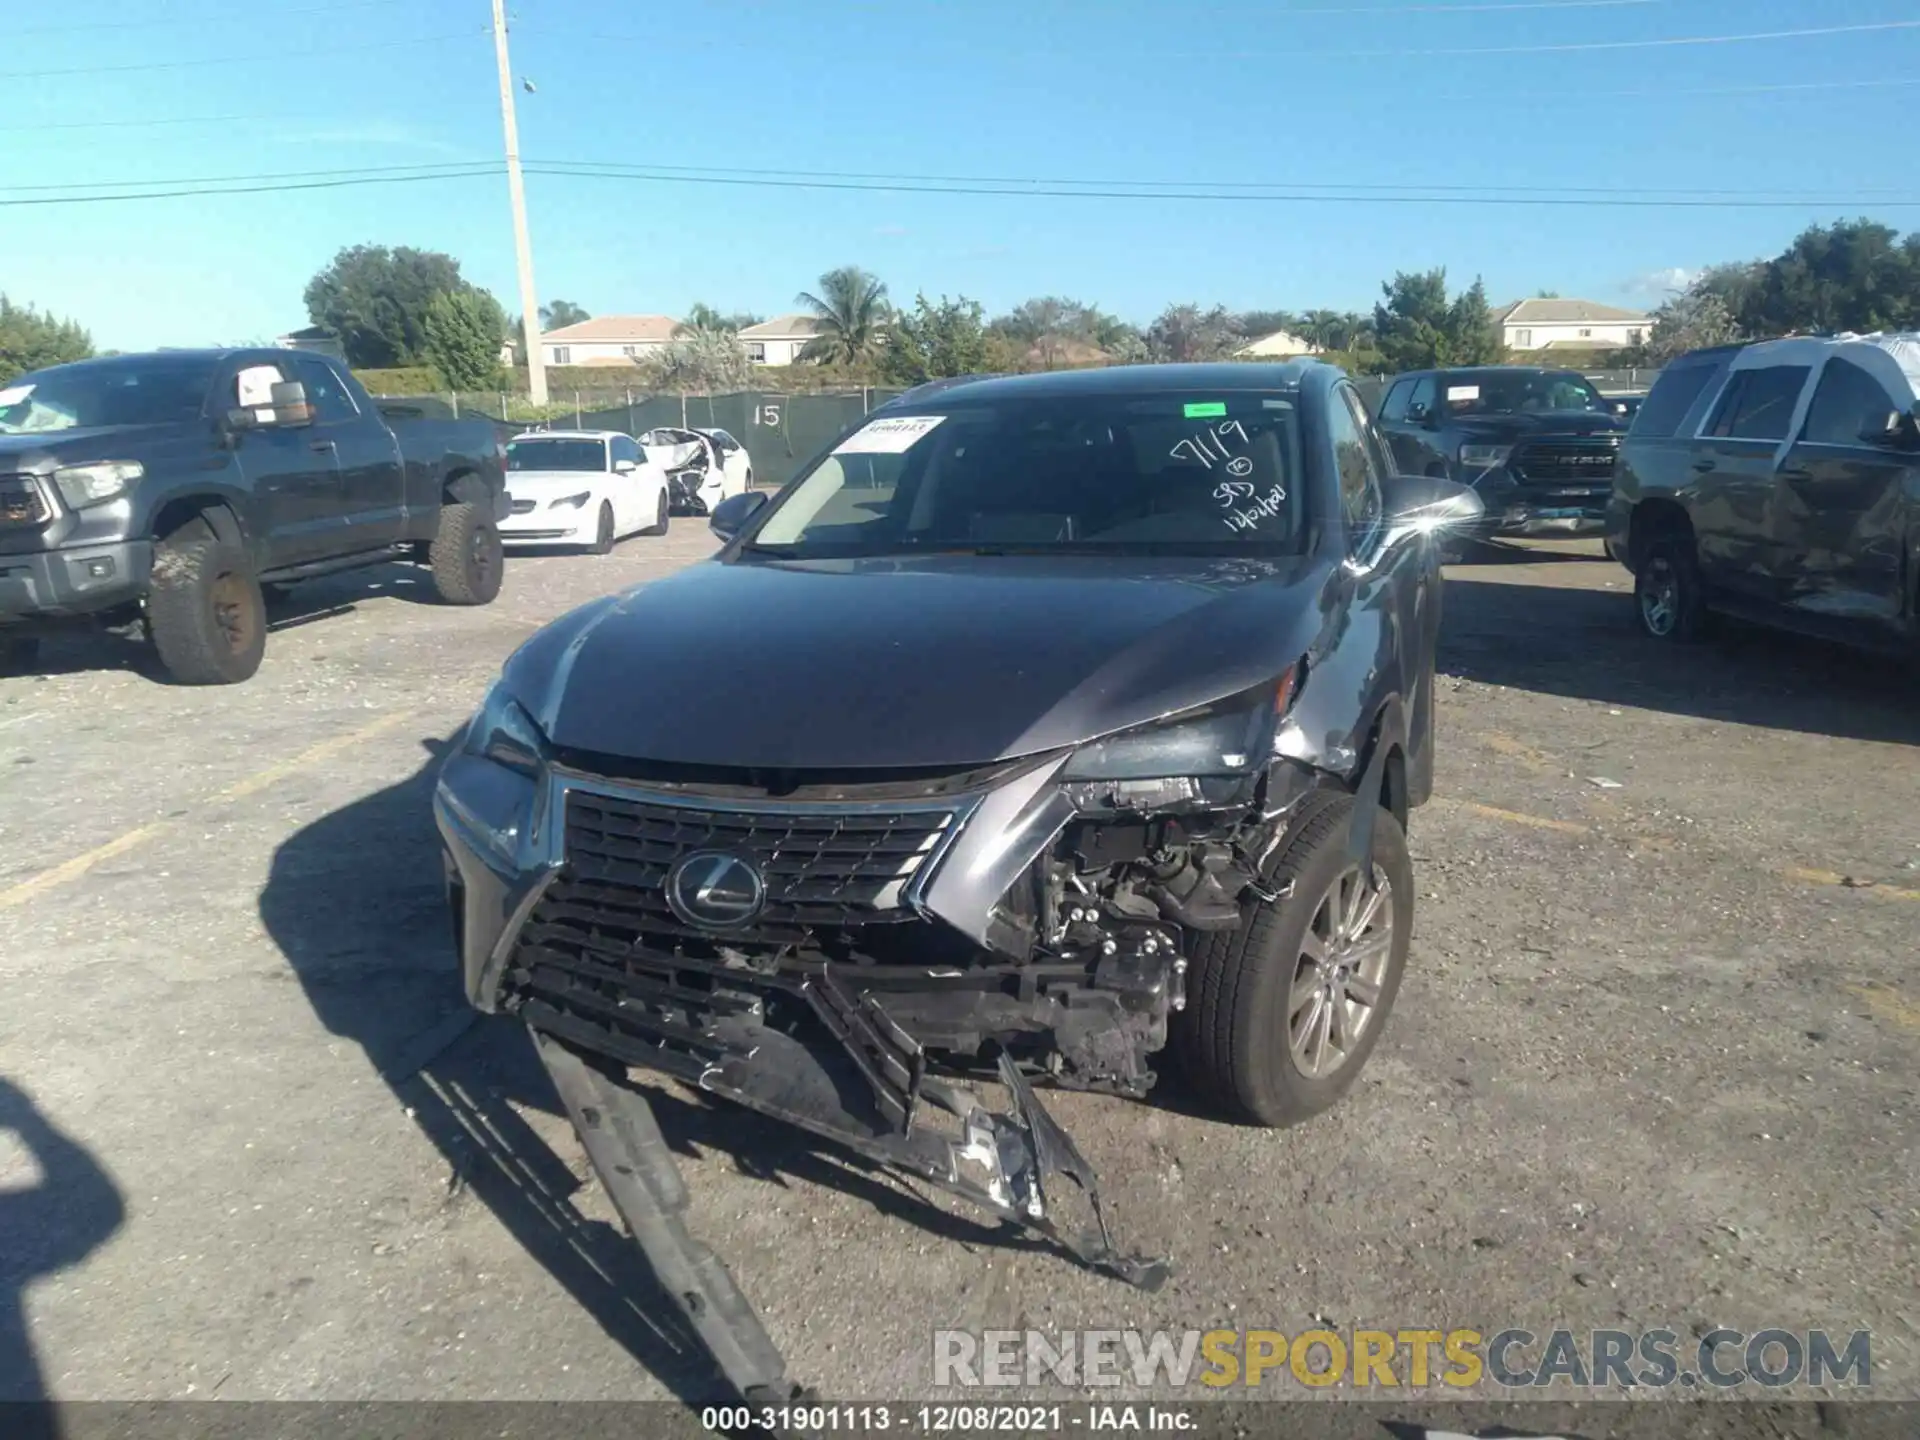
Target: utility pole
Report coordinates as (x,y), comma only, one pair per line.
(523,248)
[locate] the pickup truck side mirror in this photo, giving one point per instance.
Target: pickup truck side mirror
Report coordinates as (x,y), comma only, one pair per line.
(1422,505)
(290,408)
(1895,431)
(730,516)
(624,467)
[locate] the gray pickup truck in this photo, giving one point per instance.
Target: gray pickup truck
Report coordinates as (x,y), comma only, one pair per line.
(172,488)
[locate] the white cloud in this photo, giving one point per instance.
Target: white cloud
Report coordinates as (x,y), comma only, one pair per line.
(1659,284)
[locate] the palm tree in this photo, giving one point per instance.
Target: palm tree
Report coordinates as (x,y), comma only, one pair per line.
(703,319)
(853,313)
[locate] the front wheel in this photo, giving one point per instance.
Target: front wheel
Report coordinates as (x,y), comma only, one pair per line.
(205,614)
(1283,1013)
(466,557)
(603,532)
(1667,590)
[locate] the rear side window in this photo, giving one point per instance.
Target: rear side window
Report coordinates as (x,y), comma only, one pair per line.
(1672,397)
(1759,404)
(329,398)
(1846,402)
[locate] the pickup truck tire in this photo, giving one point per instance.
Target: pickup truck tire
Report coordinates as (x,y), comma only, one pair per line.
(1668,594)
(18,656)
(1258,997)
(661,517)
(205,613)
(466,556)
(603,531)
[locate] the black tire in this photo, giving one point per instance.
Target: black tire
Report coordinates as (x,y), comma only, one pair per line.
(205,614)
(1233,1038)
(466,557)
(19,655)
(661,517)
(1668,596)
(603,531)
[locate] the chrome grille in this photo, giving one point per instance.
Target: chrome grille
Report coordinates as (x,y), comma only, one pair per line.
(823,868)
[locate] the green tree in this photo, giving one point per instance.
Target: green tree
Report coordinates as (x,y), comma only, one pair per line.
(1692,320)
(31,340)
(1416,326)
(852,309)
(556,314)
(932,341)
(1186,333)
(375,299)
(1334,330)
(704,319)
(1052,330)
(1853,275)
(463,338)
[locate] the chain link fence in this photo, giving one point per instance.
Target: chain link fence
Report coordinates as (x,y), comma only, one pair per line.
(781,431)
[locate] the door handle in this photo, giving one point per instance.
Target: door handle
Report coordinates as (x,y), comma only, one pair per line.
(320,447)
(1705,465)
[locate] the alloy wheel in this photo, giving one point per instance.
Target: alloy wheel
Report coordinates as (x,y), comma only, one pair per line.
(1342,969)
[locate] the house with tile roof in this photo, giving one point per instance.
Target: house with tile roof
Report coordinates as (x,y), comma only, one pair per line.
(1562,325)
(780,340)
(608,340)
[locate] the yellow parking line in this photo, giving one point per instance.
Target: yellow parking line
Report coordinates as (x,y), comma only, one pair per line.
(70,870)
(1832,877)
(1515,817)
(1889,1005)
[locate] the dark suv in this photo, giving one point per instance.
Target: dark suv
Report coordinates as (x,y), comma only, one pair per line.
(1780,481)
(1538,445)
(1046,721)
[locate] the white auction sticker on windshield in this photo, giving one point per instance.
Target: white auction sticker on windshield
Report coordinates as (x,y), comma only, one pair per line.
(894,436)
(13,395)
(1463,392)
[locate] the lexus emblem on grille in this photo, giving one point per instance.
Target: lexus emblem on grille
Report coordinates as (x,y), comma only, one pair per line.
(715,890)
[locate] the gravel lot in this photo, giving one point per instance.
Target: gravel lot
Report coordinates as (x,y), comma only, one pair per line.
(1654,1062)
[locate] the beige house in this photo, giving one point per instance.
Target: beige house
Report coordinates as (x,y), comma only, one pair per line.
(1569,325)
(608,340)
(780,340)
(1280,345)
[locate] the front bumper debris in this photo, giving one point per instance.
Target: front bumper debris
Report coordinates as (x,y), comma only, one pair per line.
(855,1078)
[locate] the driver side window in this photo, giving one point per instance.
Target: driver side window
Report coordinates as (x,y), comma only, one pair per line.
(1357,466)
(1424,403)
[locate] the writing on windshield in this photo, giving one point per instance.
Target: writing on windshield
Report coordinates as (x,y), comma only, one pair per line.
(1169,474)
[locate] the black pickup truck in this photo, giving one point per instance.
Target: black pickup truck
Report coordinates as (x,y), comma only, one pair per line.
(1538,445)
(172,487)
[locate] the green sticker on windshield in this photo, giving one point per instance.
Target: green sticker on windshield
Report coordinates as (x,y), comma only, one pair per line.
(1206,409)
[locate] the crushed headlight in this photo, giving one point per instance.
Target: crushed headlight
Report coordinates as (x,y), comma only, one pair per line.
(1484,457)
(1172,761)
(96,483)
(503,732)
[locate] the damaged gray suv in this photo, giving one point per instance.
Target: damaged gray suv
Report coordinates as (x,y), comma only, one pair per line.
(1042,728)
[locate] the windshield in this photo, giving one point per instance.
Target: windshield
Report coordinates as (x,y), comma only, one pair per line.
(557,455)
(1174,473)
(1521,393)
(117,393)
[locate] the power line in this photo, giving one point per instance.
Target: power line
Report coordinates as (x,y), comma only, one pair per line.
(148,123)
(257,189)
(173,21)
(1289,197)
(480,167)
(1021,184)
(302,53)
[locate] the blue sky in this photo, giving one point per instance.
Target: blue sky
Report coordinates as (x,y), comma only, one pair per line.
(1213,93)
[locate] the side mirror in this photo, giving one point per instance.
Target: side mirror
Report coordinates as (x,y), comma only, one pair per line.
(1427,505)
(624,467)
(1895,431)
(730,516)
(290,405)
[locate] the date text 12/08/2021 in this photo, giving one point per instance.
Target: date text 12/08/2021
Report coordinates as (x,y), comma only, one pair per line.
(962,1419)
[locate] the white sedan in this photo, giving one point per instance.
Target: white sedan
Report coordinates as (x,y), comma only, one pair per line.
(582,487)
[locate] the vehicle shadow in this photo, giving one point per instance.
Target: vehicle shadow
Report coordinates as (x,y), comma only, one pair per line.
(354,902)
(50,1219)
(1586,645)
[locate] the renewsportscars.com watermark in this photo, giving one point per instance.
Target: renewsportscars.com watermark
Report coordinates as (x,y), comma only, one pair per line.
(1377,1360)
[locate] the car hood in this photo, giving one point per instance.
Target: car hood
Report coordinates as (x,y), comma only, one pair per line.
(908,663)
(45,449)
(1546,422)
(546,483)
